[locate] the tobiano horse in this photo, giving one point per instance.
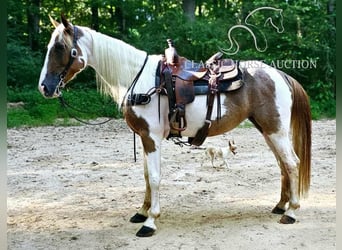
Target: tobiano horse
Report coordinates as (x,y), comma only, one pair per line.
(273,101)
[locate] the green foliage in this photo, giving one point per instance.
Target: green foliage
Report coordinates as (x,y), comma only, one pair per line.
(323,101)
(88,104)
(309,34)
(23,65)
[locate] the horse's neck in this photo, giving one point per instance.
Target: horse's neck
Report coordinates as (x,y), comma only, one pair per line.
(115,62)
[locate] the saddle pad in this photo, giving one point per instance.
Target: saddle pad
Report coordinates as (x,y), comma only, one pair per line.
(230,74)
(201,87)
(227,65)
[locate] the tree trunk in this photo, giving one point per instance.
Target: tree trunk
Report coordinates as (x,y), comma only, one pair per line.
(120,19)
(189,7)
(95,25)
(332,17)
(33,24)
(200,10)
(112,16)
(157,7)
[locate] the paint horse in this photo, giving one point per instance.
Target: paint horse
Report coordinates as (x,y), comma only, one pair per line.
(274,102)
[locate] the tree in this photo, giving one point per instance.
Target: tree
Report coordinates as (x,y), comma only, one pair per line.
(189,7)
(33,24)
(198,28)
(95,16)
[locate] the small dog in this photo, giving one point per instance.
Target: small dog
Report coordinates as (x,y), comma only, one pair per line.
(218,152)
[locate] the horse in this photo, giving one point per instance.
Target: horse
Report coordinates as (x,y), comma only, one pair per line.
(274,18)
(273,101)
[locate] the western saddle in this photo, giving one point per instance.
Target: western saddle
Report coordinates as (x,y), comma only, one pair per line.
(181,80)
(184,79)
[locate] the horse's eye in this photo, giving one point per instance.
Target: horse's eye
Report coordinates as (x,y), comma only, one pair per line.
(59,46)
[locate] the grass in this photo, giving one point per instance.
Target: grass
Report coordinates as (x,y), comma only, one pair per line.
(38,111)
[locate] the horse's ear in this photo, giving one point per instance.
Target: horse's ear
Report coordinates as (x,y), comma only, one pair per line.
(66,24)
(54,22)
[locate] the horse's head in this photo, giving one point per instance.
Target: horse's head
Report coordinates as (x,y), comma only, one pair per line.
(64,58)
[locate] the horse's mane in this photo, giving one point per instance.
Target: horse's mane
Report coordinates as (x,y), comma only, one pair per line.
(116,64)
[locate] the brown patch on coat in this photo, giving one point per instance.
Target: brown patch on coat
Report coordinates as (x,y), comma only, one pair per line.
(265,115)
(255,100)
(141,127)
(59,55)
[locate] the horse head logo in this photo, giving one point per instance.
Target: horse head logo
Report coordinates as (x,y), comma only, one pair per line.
(273,17)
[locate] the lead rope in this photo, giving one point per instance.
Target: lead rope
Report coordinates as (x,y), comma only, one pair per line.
(66,105)
(131,88)
(135,148)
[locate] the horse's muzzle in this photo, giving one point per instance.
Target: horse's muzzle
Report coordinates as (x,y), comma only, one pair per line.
(49,88)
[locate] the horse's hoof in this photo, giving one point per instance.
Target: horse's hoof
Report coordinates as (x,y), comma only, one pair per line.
(145,232)
(287,220)
(278,210)
(138,218)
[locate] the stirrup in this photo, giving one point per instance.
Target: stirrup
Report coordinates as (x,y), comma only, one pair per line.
(182,124)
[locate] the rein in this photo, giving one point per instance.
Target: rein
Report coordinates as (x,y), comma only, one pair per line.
(130,89)
(61,84)
(66,105)
(134,82)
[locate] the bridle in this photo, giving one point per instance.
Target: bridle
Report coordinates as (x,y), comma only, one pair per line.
(73,55)
(61,84)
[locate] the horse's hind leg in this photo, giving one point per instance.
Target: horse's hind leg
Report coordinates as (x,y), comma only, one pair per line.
(288,161)
(280,208)
(142,214)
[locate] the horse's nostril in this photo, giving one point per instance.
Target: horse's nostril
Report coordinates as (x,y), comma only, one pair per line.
(44,90)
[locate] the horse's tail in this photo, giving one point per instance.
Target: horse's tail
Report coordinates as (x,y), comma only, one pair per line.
(301,133)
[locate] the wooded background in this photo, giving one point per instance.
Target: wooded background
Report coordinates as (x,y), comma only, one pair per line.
(198,27)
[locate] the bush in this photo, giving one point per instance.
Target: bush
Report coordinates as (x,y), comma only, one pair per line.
(23,65)
(39,111)
(323,100)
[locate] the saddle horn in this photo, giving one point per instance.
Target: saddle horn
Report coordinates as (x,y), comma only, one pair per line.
(212,63)
(214,58)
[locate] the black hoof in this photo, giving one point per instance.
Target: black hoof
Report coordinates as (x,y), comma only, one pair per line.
(138,218)
(287,220)
(278,210)
(145,232)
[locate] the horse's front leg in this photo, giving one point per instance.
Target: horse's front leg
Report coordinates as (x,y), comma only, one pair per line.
(152,177)
(142,214)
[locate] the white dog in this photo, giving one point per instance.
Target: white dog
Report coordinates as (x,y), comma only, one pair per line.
(218,152)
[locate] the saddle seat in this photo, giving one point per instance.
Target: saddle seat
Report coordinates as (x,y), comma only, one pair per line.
(191,79)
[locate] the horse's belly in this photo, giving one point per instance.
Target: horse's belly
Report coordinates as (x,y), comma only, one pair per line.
(196,115)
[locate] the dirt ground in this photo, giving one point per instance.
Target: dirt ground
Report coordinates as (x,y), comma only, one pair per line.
(76,188)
